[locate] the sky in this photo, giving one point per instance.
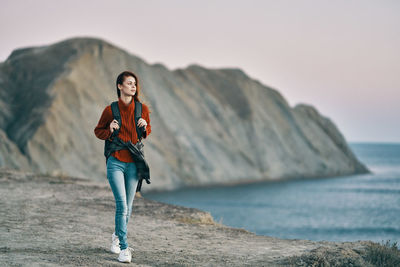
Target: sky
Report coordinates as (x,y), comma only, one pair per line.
(342,57)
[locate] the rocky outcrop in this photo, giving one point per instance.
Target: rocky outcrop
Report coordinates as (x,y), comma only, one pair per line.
(208,125)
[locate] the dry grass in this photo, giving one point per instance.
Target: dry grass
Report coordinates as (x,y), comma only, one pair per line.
(385,254)
(199,219)
(374,254)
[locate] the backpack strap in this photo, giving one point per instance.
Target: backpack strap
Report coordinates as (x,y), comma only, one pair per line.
(138,115)
(117,116)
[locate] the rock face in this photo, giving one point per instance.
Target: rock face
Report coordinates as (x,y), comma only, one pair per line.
(208,125)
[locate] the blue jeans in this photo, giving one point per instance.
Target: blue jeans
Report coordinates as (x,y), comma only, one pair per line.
(123,180)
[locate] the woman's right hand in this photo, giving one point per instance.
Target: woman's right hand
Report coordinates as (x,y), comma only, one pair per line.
(114,125)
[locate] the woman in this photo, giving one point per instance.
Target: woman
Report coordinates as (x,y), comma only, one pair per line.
(121,168)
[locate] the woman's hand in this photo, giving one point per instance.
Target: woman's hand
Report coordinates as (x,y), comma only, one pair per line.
(142,122)
(114,125)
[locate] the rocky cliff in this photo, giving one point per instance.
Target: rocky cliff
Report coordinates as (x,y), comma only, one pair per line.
(208,125)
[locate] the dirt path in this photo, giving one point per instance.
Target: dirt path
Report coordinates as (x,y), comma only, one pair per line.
(52,221)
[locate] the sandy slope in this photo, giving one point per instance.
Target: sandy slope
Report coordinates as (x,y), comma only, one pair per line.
(51,221)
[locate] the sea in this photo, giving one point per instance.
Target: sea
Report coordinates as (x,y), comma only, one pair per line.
(345,208)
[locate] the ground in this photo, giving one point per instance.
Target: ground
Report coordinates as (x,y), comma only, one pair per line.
(55,220)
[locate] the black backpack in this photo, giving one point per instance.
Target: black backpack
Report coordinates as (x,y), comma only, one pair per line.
(109,146)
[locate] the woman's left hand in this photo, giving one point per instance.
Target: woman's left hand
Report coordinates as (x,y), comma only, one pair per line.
(142,122)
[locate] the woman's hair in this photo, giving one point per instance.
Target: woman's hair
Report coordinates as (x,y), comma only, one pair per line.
(121,79)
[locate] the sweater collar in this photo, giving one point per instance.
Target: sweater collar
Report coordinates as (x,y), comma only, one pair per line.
(125,107)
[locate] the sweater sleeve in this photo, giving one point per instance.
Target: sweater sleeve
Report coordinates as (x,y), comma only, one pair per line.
(146,117)
(102,130)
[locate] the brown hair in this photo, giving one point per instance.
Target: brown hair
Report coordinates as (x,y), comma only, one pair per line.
(121,79)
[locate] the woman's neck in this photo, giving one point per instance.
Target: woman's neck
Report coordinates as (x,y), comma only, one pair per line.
(127,99)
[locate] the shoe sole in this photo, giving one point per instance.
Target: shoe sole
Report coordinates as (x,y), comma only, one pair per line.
(126,261)
(115,251)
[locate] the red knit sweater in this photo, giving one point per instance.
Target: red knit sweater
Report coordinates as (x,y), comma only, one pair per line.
(128,130)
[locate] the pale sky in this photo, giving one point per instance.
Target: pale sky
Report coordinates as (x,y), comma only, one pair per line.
(343,56)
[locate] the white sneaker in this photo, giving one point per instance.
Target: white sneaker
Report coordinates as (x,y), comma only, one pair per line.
(115,244)
(125,255)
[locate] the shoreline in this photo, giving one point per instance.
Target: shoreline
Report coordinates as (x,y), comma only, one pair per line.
(265,180)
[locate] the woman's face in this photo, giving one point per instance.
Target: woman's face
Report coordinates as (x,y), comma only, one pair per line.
(128,87)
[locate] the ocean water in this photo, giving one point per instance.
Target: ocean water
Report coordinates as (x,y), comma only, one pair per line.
(350,208)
